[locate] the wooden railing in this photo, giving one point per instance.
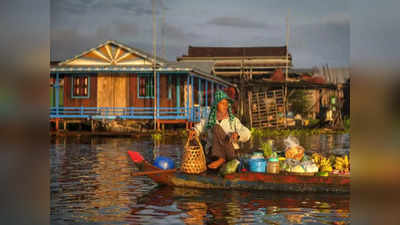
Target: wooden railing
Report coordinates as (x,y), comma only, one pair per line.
(192,114)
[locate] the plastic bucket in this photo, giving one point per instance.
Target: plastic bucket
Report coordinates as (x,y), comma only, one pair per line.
(164,163)
(257,165)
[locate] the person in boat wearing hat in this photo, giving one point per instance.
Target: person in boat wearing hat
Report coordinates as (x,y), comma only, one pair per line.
(224,131)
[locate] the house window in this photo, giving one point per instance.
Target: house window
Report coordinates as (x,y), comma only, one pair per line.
(145,87)
(170,85)
(80,86)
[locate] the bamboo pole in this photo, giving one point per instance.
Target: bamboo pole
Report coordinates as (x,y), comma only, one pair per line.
(249,93)
(287,65)
(154,64)
(241,95)
(163,27)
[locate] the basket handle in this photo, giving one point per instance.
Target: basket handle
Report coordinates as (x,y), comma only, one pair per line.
(197,140)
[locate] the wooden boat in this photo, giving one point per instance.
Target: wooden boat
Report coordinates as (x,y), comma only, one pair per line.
(247,180)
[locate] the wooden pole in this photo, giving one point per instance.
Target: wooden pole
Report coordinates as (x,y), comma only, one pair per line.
(154,64)
(250,108)
(241,87)
(57,124)
(287,65)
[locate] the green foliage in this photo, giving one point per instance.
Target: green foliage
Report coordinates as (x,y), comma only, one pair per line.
(156,136)
(256,132)
(347,124)
(313,122)
(183,133)
(267,148)
(262,133)
(229,167)
(298,102)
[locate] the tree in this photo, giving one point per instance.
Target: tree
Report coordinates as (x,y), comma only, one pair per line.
(299,102)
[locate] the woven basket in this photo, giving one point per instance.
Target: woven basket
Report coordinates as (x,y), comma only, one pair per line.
(193,160)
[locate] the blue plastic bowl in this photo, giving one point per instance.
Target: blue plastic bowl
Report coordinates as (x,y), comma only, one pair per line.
(164,163)
(257,165)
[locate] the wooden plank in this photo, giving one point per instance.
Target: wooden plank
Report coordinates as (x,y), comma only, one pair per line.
(258,105)
(105,91)
(77,102)
(249,94)
(263,112)
(276,109)
(120,91)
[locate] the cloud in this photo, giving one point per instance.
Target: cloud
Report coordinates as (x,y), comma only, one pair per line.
(81,7)
(336,18)
(140,7)
(135,7)
(315,44)
(66,43)
(116,31)
(236,22)
(77,7)
(178,34)
(126,28)
(324,40)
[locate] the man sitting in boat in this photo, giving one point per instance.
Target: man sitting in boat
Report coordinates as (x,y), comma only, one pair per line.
(224,130)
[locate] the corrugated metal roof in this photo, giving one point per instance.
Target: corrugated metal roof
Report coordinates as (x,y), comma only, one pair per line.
(194,51)
(334,75)
(202,66)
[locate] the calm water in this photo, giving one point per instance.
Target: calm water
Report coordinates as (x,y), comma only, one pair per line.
(91,184)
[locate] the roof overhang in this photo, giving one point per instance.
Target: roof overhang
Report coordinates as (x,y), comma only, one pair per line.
(118,69)
(187,58)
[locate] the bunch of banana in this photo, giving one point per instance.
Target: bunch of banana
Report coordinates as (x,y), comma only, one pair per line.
(342,164)
(316,157)
(332,159)
(325,165)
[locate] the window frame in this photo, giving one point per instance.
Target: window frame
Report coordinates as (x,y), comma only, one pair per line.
(170,85)
(151,84)
(72,86)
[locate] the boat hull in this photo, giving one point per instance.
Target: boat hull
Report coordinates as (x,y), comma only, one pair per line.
(252,181)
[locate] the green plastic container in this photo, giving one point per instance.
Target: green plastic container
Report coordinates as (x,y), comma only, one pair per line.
(273,160)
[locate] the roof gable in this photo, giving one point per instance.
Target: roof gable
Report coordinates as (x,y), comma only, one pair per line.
(112,53)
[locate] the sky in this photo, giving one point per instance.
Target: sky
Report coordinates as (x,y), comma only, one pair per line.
(319,31)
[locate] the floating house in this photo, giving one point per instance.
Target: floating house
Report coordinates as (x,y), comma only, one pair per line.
(116,81)
(265,101)
(324,92)
(235,63)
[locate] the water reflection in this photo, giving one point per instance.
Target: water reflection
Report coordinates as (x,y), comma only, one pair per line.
(91,184)
(237,207)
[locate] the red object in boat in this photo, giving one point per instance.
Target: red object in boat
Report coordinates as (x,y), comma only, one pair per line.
(136,156)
